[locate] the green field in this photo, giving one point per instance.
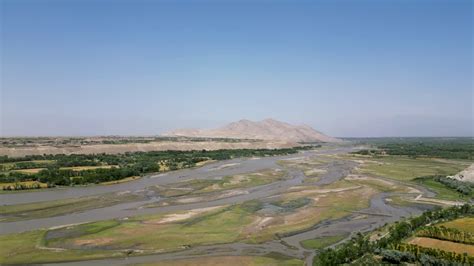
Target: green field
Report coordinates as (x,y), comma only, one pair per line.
(405,168)
(44,209)
(155,233)
(322,242)
(442,191)
(28,248)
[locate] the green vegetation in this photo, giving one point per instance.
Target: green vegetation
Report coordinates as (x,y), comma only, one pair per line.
(323,206)
(120,166)
(292,204)
(447,188)
(31,164)
(322,242)
(28,248)
(442,192)
(443,233)
(148,234)
(23,185)
(460,186)
(426,161)
(404,168)
(393,250)
(14,142)
(448,148)
(241,181)
(202,186)
(44,209)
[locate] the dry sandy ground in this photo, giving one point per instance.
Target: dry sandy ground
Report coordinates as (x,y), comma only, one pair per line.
(323,191)
(443,245)
(152,146)
(466,175)
(174,217)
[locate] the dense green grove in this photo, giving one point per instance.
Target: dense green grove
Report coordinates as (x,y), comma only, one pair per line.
(124,165)
(460,186)
(391,248)
(448,148)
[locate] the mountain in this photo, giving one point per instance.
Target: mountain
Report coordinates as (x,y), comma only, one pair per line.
(268,129)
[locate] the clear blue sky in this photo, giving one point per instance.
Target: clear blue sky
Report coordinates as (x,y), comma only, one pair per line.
(347,68)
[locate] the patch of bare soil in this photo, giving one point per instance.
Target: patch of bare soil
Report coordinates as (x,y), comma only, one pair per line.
(438,201)
(443,245)
(175,217)
(93,242)
(259,224)
(466,175)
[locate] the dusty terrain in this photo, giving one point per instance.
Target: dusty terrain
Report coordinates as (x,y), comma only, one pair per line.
(466,175)
(268,129)
(135,147)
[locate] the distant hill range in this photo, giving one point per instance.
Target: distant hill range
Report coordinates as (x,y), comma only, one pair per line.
(268,129)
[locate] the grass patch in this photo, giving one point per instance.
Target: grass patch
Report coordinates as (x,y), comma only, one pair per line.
(200,186)
(293,204)
(322,242)
(120,181)
(323,206)
(405,168)
(27,248)
(147,233)
(243,181)
(400,201)
(44,209)
(115,237)
(442,191)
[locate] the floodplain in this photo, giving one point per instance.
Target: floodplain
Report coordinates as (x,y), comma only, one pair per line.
(273,210)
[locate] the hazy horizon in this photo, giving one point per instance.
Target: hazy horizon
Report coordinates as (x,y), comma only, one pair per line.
(346,68)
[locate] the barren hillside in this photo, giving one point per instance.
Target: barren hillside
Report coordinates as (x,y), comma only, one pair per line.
(268,129)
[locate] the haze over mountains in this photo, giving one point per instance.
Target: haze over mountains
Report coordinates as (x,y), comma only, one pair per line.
(268,129)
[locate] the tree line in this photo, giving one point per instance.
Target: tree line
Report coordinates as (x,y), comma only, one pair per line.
(447,148)
(123,165)
(464,188)
(460,186)
(360,245)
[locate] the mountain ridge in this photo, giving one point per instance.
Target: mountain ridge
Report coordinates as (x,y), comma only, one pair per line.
(267,129)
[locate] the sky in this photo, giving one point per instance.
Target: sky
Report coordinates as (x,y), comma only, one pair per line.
(359,68)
